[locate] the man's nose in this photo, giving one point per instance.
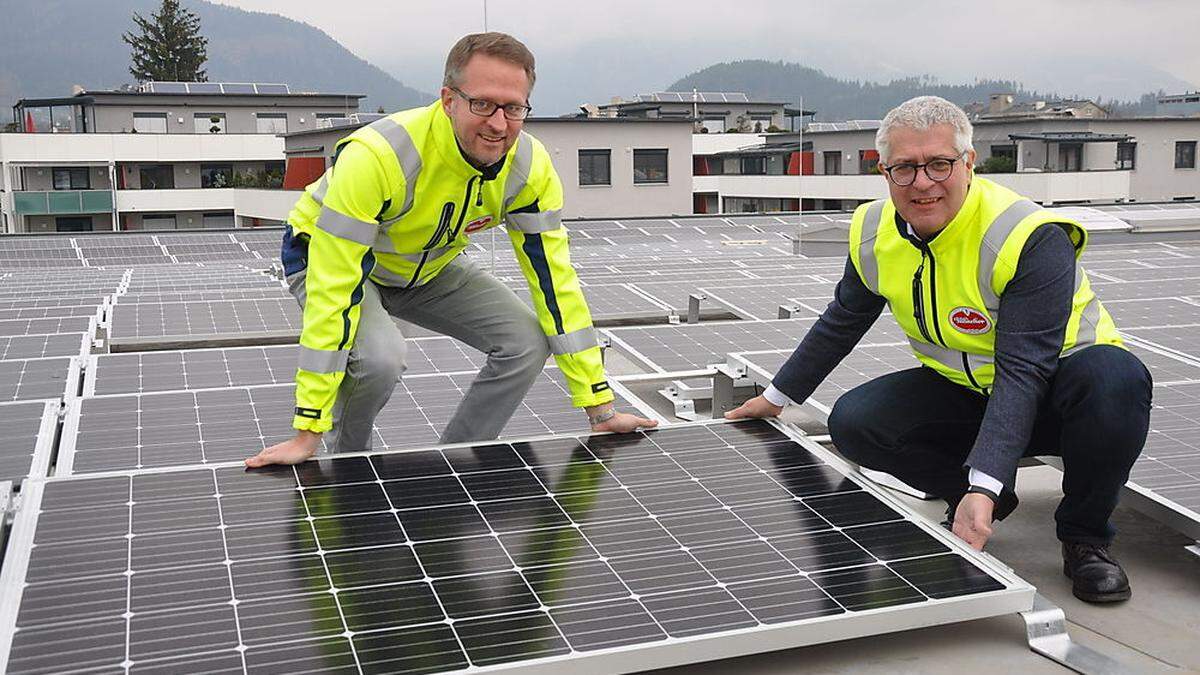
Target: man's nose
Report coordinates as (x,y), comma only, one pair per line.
(922,181)
(497,121)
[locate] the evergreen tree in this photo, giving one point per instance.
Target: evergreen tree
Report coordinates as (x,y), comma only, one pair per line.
(169,47)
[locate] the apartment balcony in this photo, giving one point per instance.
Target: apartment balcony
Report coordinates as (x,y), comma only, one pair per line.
(68,149)
(1043,187)
(62,202)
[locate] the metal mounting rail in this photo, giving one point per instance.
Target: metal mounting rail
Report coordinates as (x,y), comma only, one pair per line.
(1046,630)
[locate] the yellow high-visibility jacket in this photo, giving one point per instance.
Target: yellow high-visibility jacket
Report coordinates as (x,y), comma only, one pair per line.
(399,204)
(946,294)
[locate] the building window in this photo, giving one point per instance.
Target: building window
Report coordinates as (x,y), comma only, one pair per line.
(1185,154)
(1126,155)
(650,166)
(157,176)
(1005,151)
(210,123)
(73,178)
(73,224)
(715,125)
(867,161)
(271,123)
(216,175)
(219,220)
(833,163)
(595,167)
(754,166)
(150,123)
(158,221)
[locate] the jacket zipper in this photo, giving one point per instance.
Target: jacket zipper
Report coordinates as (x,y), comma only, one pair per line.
(919,311)
(918,297)
(438,235)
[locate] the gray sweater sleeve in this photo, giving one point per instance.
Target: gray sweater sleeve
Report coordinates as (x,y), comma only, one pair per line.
(843,323)
(1030,327)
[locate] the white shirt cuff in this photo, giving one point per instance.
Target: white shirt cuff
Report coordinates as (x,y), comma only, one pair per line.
(777,397)
(978,478)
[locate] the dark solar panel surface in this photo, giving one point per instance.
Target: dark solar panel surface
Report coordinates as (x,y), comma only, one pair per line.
(20,429)
(438,560)
(32,379)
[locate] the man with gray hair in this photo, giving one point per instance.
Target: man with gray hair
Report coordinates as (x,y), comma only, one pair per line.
(1017,355)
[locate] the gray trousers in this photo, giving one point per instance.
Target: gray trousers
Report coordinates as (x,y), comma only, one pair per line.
(464,302)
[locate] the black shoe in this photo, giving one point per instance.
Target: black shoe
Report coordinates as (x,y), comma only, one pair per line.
(1095,575)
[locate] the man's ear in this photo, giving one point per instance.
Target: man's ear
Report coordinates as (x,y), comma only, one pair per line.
(971,159)
(447,96)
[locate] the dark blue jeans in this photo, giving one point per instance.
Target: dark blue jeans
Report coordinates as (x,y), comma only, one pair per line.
(920,427)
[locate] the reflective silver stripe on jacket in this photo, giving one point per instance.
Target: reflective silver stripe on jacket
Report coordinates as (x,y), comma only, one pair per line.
(533,223)
(322,361)
(951,358)
(993,240)
(1088,319)
(573,342)
(388,277)
(522,166)
(406,154)
(867,264)
(318,194)
(347,227)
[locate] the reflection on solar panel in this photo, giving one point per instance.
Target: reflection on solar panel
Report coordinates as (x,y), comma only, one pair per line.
(106,433)
(28,431)
(34,379)
(144,372)
(693,542)
(263,321)
(41,346)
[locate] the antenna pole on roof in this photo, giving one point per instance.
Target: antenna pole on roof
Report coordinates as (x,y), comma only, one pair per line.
(485,16)
(800,181)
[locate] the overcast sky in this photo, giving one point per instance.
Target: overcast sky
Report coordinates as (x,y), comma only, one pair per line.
(1074,46)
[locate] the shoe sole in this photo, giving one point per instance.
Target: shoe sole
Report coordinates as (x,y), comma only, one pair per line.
(1113,596)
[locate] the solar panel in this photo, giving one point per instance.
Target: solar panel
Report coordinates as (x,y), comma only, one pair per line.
(217,323)
(107,433)
(28,430)
(92,301)
(687,347)
(204,87)
(763,301)
(49,312)
(39,379)
(72,324)
(497,554)
(41,346)
(1133,314)
(143,372)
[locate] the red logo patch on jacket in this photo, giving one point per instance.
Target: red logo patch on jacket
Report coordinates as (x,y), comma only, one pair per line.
(478,224)
(969,320)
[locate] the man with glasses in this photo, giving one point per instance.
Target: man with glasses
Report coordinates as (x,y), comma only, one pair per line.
(1018,357)
(380,236)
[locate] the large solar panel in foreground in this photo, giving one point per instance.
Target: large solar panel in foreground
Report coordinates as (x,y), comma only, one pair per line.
(588,554)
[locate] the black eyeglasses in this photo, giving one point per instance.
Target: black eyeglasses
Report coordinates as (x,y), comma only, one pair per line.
(937,170)
(486,108)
